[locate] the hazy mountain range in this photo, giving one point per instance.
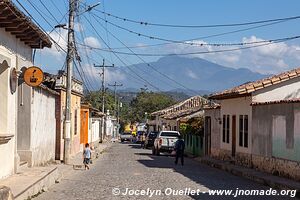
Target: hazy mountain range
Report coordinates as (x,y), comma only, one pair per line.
(195,73)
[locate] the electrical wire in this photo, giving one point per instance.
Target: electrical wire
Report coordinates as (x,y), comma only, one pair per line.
(149,65)
(119,57)
(203,37)
(199,52)
(165,39)
(43,29)
(196,26)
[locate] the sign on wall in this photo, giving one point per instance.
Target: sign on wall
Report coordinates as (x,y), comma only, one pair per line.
(33,76)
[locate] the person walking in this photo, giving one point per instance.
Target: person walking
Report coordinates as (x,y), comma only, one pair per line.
(179,149)
(87,154)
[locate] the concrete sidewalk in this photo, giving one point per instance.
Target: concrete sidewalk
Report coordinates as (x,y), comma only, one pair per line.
(275,182)
(32,181)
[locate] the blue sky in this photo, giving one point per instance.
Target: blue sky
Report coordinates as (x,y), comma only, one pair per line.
(270,59)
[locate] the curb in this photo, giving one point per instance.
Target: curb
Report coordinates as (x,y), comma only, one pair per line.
(39,186)
(255,176)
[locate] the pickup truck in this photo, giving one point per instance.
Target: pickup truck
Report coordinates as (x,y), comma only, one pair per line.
(165,142)
(126,136)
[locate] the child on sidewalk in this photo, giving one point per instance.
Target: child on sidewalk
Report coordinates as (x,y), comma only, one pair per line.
(87,153)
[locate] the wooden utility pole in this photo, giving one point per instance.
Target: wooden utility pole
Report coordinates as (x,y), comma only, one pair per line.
(115,94)
(102,74)
(70,56)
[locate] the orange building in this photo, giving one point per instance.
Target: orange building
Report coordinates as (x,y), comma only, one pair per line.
(90,125)
(77,94)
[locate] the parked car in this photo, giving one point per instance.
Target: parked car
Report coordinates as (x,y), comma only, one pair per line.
(125,136)
(150,139)
(165,142)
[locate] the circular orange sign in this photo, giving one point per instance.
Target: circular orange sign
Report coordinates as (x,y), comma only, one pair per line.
(33,76)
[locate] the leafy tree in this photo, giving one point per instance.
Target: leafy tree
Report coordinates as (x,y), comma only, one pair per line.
(148,102)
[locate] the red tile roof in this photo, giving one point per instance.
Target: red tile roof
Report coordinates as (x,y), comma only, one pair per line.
(276,102)
(247,88)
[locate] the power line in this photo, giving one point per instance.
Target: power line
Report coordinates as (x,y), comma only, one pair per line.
(196,26)
(82,34)
(149,65)
(164,39)
(153,68)
(40,26)
(119,57)
(46,32)
(203,37)
(201,52)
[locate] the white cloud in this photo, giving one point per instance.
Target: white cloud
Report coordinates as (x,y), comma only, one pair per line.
(272,58)
(92,42)
(60,37)
(191,74)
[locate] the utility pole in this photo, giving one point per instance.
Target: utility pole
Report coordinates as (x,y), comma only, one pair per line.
(102,74)
(70,56)
(119,107)
(115,94)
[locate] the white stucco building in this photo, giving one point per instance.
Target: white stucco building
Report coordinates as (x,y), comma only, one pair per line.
(259,124)
(18,37)
(36,125)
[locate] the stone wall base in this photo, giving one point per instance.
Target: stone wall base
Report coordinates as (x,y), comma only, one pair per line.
(276,166)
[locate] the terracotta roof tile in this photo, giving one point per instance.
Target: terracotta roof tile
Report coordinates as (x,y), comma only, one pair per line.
(249,87)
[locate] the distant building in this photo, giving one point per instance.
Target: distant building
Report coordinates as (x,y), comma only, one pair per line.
(260,124)
(169,118)
(173,117)
(19,36)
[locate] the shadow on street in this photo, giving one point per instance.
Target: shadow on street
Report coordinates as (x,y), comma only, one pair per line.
(201,174)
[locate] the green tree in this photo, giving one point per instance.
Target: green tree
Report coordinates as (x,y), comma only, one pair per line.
(148,102)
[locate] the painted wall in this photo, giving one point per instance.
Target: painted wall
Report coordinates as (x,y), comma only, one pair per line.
(13,54)
(276,131)
(43,123)
(214,114)
(36,130)
(236,106)
(94,130)
(287,90)
(75,126)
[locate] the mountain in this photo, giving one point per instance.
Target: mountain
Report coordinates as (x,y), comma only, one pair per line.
(196,74)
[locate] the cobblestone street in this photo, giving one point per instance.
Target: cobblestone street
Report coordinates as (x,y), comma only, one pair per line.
(128,166)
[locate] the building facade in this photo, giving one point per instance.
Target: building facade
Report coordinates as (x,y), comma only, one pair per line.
(260,124)
(91,125)
(77,94)
(15,53)
(36,125)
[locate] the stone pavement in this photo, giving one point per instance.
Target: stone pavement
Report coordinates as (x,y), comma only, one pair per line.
(252,174)
(125,167)
(30,182)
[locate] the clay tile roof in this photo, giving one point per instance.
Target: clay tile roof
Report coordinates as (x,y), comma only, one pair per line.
(17,23)
(249,87)
(182,106)
(296,100)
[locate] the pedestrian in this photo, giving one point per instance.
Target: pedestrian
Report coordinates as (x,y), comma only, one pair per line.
(143,140)
(87,153)
(179,149)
